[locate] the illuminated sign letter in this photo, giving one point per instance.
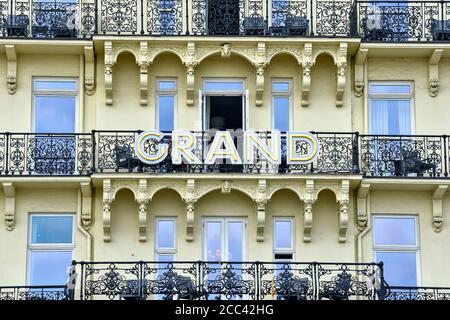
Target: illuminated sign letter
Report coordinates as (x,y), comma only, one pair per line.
(227,152)
(143,150)
(303,147)
(183,144)
(253,143)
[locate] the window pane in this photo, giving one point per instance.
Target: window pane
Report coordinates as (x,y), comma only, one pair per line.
(214,241)
(400,268)
(54,114)
(49,267)
(283,234)
(166,234)
(55,85)
(281,113)
(395,231)
(235,241)
(166,85)
(280,86)
(379,88)
(224,86)
(45,229)
(391,117)
(166,113)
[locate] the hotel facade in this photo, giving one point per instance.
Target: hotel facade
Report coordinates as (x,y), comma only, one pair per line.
(84,217)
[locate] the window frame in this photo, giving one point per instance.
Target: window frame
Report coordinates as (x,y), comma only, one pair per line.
(167,93)
(47,247)
(55,93)
(392,96)
(284,250)
(282,94)
(399,248)
(165,251)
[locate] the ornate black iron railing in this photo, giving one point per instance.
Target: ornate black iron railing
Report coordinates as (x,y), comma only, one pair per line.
(35,293)
(417,293)
(229,280)
(114,151)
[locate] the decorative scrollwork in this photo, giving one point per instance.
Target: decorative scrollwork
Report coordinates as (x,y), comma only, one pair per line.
(118,16)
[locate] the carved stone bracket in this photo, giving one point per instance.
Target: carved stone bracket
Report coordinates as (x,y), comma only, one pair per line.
(433,72)
(10,205)
(309,198)
(190,200)
(11,73)
(307,64)
(191,63)
(107,200)
(109,62)
(341,64)
(86,205)
(438,194)
(142,200)
(360,59)
(225,50)
(344,202)
(362,214)
(261,63)
(143,72)
(261,202)
(89,69)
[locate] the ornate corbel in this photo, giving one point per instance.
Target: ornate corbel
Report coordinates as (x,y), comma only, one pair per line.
(362,216)
(107,200)
(143,72)
(89,70)
(307,64)
(86,214)
(360,59)
(341,65)
(190,200)
(433,72)
(225,50)
(191,63)
(10,205)
(142,200)
(226,186)
(344,202)
(261,202)
(261,63)
(309,198)
(11,73)
(109,62)
(438,194)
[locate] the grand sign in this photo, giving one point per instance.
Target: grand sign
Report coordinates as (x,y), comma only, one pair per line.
(301,148)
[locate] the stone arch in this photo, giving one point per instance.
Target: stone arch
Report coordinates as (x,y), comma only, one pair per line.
(125,51)
(156,54)
(285,52)
(233,188)
(233,52)
(152,193)
(333,190)
(281,188)
(120,188)
(326,52)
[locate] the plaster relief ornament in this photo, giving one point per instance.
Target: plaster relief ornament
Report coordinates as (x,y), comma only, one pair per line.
(226,50)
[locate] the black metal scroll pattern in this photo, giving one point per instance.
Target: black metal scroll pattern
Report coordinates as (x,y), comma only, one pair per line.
(88,21)
(283,9)
(118,16)
(2,153)
(224,17)
(335,155)
(199,15)
(4,7)
(107,146)
(49,19)
(333,17)
(165,17)
(33,293)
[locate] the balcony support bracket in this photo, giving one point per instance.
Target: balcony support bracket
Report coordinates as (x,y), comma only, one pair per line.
(261,200)
(344,201)
(86,205)
(143,72)
(142,200)
(191,63)
(261,63)
(89,70)
(109,62)
(309,197)
(11,74)
(433,72)
(107,201)
(307,64)
(10,205)
(360,59)
(190,200)
(341,64)
(362,216)
(438,195)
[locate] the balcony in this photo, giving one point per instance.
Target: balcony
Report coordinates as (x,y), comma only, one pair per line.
(418,293)
(31,154)
(35,293)
(399,21)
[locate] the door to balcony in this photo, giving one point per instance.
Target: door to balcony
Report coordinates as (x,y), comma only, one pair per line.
(223,17)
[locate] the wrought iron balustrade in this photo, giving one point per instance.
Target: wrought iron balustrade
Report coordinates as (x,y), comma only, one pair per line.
(417,293)
(35,293)
(229,280)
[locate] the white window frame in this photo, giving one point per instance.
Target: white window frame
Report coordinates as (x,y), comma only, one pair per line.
(166,251)
(55,93)
(167,93)
(282,94)
(53,247)
(392,96)
(292,248)
(399,248)
(224,92)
